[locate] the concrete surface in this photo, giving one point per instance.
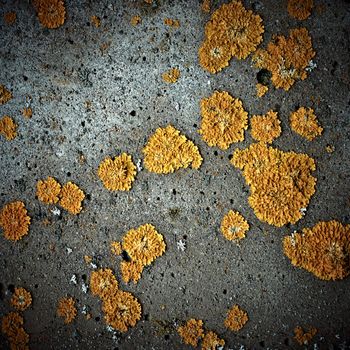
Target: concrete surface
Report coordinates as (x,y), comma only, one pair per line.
(63,69)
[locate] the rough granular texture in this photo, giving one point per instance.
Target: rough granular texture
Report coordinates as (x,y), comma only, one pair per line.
(14,220)
(117,174)
(5,95)
(323,250)
(280,182)
(211,341)
(231,31)
(304,122)
(223,120)
(103,283)
(171,76)
(167,150)
(234,226)
(131,271)
(27,112)
(8,127)
(172,22)
(10,17)
(122,310)
(21,299)
(265,128)
(96,21)
(135,20)
(71,198)
(51,13)
(302,337)
(261,89)
(300,9)
(66,309)
(48,191)
(236,318)
(286,58)
(191,332)
(12,327)
(116,248)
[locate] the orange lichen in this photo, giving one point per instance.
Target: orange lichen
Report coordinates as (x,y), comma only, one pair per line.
(234,226)
(171,76)
(21,299)
(71,198)
(96,21)
(261,89)
(304,122)
(300,9)
(117,174)
(12,326)
(131,271)
(135,20)
(191,331)
(51,13)
(48,191)
(206,4)
(323,250)
(172,22)
(231,31)
(211,341)
(122,310)
(8,127)
(103,283)
(66,309)
(5,95)
(167,150)
(14,220)
(10,17)
(27,112)
(87,259)
(116,248)
(330,148)
(236,318)
(303,338)
(265,128)
(223,120)
(281,182)
(286,58)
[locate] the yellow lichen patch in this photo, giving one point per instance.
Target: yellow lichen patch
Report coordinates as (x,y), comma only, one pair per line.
(211,341)
(191,331)
(265,128)
(8,127)
(231,31)
(48,191)
(10,17)
(21,299)
(103,283)
(14,220)
(281,182)
(66,309)
(206,4)
(27,112)
(71,198)
(323,250)
(223,120)
(171,76)
(117,174)
(261,89)
(286,58)
(300,9)
(96,21)
(135,20)
(5,95)
(116,248)
(330,148)
(304,122)
(236,318)
(172,22)
(12,327)
(122,310)
(302,337)
(51,13)
(131,271)
(167,150)
(234,226)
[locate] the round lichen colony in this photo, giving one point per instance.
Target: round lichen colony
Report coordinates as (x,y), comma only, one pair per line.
(8,128)
(66,309)
(265,128)
(48,191)
(21,299)
(51,13)
(71,198)
(300,9)
(304,122)
(191,332)
(236,318)
(234,226)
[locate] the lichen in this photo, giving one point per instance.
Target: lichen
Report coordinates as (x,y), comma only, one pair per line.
(27,112)
(167,151)
(300,9)
(116,248)
(171,76)
(66,309)
(302,337)
(323,250)
(21,299)
(117,174)
(48,191)
(211,341)
(234,226)
(14,220)
(223,120)
(304,122)
(5,95)
(71,198)
(265,128)
(135,20)
(10,18)
(172,22)
(8,127)
(236,318)
(206,4)
(51,13)
(131,271)
(96,21)
(12,327)
(191,331)
(103,283)
(261,89)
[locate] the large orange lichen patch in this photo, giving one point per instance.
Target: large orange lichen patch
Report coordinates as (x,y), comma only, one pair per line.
(191,332)
(167,150)
(103,283)
(304,122)
(300,9)
(211,341)
(266,128)
(287,58)
(117,174)
(14,220)
(48,191)
(223,120)
(12,327)
(21,299)
(5,95)
(231,31)
(236,318)
(71,198)
(234,226)
(323,250)
(171,76)
(8,127)
(66,309)
(51,13)
(302,337)
(281,183)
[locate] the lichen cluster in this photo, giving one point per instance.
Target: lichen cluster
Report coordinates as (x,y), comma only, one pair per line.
(8,128)
(14,220)
(66,309)
(234,226)
(286,58)
(12,327)
(304,122)
(21,299)
(211,341)
(51,13)
(300,9)
(171,76)
(261,89)
(191,332)
(96,21)
(5,95)
(323,250)
(265,128)
(302,337)
(135,20)
(116,248)
(206,5)
(236,318)
(280,182)
(10,18)
(27,112)
(167,150)
(233,31)
(172,22)
(223,120)
(117,174)
(48,191)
